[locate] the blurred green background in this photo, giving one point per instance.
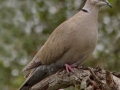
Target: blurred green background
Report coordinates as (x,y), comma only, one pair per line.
(26,24)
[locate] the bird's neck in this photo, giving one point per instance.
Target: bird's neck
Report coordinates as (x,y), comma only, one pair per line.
(91,9)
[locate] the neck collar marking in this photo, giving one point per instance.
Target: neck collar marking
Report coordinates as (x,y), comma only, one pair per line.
(84,10)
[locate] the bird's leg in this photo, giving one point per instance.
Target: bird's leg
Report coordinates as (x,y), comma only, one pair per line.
(69,68)
(74,65)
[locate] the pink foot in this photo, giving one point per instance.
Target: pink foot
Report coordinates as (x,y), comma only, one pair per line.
(69,68)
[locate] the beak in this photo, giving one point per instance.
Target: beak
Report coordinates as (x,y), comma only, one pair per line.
(108,4)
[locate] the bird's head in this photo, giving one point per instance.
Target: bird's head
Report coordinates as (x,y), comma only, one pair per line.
(100,3)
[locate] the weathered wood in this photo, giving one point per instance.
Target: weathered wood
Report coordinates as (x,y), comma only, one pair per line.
(82,78)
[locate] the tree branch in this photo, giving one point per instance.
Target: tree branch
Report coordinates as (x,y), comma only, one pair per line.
(83,78)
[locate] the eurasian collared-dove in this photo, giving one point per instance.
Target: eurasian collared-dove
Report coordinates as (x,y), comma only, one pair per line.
(70,43)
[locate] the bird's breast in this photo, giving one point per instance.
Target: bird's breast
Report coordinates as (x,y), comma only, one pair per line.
(84,39)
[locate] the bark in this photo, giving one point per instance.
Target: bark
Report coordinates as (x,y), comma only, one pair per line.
(81,79)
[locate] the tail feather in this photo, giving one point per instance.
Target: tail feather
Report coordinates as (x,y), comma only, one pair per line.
(24,87)
(34,77)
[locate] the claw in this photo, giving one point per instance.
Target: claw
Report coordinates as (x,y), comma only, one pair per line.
(69,68)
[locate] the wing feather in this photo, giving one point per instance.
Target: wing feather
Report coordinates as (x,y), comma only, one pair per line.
(53,49)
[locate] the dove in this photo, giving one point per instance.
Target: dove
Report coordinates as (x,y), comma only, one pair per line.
(68,45)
